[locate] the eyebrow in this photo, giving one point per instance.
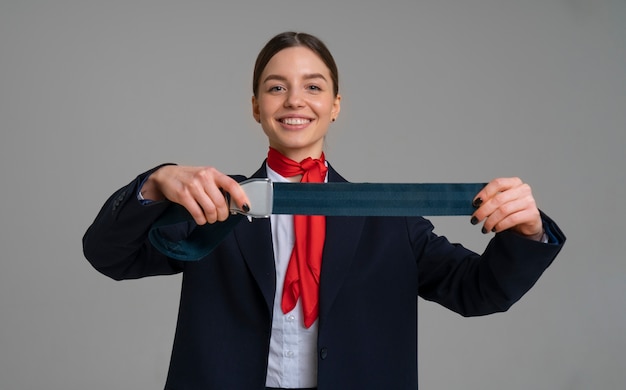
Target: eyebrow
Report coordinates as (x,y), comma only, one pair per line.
(308,76)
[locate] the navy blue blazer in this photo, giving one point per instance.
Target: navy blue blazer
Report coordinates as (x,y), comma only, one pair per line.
(373,270)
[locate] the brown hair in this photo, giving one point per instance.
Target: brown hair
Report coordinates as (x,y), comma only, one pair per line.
(293,39)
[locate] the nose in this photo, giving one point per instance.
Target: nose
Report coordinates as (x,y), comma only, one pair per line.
(294,99)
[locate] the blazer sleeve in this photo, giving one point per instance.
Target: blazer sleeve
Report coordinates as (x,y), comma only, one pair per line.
(117,244)
(472,284)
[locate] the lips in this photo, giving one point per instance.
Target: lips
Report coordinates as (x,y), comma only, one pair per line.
(295,121)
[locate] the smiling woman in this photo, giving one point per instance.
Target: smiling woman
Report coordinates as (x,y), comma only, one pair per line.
(311,301)
(296,96)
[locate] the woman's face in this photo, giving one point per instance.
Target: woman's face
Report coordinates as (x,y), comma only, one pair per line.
(295,102)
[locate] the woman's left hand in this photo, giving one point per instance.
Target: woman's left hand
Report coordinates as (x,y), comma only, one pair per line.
(508,204)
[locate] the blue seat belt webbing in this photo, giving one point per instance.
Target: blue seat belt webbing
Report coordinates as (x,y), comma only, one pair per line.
(176,235)
(375,199)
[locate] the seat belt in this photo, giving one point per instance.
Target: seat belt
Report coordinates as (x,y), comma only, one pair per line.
(176,235)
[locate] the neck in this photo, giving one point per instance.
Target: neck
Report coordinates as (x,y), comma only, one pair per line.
(299,155)
(294,179)
(307,169)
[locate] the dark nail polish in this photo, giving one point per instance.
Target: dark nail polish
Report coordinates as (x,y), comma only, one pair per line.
(245,207)
(484,230)
(493,230)
(477,202)
(474,221)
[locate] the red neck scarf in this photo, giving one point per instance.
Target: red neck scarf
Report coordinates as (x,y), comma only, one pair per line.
(303,272)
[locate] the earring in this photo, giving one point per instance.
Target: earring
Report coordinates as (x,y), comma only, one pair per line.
(334,119)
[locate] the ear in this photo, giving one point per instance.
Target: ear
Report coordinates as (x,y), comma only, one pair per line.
(255,109)
(336,107)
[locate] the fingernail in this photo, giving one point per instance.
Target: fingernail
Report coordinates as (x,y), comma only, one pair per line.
(474,221)
(484,230)
(245,207)
(493,230)
(477,202)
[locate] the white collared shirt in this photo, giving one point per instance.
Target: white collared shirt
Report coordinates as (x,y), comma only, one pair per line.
(293,348)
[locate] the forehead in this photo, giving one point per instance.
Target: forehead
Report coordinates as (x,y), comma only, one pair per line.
(296,60)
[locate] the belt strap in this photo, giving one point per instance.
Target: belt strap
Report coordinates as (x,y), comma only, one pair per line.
(375,199)
(176,235)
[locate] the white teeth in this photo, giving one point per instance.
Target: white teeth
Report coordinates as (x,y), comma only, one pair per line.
(295,121)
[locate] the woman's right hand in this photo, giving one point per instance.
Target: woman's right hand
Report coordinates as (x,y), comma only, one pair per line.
(198,189)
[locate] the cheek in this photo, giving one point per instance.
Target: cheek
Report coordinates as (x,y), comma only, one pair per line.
(267,105)
(323,108)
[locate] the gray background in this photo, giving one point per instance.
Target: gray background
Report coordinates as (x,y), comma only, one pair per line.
(94,92)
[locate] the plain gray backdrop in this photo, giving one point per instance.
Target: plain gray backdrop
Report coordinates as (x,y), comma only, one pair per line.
(94,92)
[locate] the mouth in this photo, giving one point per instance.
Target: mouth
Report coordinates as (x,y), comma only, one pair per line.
(292,121)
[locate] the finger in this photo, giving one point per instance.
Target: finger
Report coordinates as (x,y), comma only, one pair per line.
(494,187)
(526,222)
(194,208)
(507,214)
(219,211)
(233,188)
(490,205)
(206,193)
(208,199)
(197,199)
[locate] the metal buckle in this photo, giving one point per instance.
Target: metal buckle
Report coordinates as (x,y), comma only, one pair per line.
(260,192)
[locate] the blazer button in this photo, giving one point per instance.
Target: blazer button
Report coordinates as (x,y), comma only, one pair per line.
(119,200)
(323,353)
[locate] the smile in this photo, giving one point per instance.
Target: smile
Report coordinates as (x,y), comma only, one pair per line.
(295,121)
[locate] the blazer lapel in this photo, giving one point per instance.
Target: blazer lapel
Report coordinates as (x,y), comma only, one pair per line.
(342,237)
(255,242)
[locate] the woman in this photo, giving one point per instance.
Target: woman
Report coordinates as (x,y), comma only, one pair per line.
(305,302)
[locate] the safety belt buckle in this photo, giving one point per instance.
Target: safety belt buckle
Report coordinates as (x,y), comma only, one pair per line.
(260,192)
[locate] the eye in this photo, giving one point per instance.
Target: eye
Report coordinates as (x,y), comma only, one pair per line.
(315,88)
(276,88)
